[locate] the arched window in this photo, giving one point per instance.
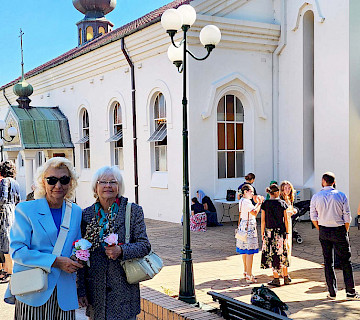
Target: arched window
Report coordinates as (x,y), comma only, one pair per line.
(80,36)
(85,140)
(159,133)
(116,139)
(101,30)
(89,33)
(230,137)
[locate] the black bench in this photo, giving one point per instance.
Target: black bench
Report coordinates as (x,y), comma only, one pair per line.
(232,309)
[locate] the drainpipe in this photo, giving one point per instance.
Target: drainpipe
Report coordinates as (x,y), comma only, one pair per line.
(6,97)
(275,88)
(133,103)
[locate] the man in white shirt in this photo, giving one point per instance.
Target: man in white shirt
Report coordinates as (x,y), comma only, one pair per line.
(330,214)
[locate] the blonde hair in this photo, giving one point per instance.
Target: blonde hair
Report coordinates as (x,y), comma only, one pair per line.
(58,163)
(283,196)
(104,171)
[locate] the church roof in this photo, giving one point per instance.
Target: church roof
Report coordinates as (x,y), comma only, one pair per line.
(132,27)
(41,128)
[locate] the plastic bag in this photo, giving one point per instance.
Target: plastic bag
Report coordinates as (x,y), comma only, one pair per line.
(265,298)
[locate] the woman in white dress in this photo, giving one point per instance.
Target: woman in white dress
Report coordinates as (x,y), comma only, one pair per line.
(247,222)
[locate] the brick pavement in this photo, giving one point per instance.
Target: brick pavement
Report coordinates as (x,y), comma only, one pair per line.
(218,268)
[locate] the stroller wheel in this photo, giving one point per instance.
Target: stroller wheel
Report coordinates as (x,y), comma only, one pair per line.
(299,240)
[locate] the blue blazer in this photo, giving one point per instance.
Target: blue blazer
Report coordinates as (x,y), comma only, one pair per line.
(32,240)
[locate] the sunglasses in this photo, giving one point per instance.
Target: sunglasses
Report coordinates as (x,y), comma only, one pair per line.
(64,180)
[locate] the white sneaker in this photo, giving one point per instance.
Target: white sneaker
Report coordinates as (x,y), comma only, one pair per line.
(331,297)
(353,296)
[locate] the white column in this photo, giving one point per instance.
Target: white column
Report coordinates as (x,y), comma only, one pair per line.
(29,162)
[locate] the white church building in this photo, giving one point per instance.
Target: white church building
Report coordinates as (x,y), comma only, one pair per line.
(279,96)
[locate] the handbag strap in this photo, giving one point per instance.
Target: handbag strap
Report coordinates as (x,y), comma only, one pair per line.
(240,212)
(64,229)
(127,222)
(247,225)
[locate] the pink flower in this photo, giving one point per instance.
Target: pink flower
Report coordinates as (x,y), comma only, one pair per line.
(111,239)
(83,255)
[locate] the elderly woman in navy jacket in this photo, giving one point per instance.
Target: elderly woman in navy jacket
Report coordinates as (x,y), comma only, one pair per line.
(32,239)
(102,287)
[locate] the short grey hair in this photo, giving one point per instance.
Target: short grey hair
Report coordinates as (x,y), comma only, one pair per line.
(57,163)
(104,171)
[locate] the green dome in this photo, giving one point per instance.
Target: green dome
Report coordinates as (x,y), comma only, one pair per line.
(23,89)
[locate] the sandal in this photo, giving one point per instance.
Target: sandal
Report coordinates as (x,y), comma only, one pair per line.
(250,279)
(274,282)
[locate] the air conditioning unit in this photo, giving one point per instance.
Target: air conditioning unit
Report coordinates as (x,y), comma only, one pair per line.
(303,194)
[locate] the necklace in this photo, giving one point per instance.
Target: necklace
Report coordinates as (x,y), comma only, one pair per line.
(102,224)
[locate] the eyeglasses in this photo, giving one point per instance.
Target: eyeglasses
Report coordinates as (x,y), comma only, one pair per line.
(104,183)
(64,180)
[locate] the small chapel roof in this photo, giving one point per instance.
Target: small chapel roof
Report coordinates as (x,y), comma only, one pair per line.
(41,128)
(127,29)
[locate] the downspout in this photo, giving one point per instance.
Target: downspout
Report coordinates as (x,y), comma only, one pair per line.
(6,97)
(133,103)
(276,87)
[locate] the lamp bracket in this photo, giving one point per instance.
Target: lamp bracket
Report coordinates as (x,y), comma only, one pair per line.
(11,139)
(209,48)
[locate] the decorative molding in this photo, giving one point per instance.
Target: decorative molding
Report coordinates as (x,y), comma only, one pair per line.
(234,82)
(309,5)
(219,8)
(116,97)
(159,86)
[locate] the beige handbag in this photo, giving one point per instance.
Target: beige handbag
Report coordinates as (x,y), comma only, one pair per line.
(36,279)
(242,234)
(139,269)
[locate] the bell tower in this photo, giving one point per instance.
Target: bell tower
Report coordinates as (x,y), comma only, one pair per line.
(94,23)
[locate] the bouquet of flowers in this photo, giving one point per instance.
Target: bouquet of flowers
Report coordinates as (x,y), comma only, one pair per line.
(81,251)
(112,239)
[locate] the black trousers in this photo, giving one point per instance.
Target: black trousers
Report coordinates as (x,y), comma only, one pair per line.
(336,239)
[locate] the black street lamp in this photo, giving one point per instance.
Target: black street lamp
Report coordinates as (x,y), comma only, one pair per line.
(12,132)
(173,20)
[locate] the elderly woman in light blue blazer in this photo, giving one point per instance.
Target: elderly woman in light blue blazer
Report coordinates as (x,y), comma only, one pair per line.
(32,240)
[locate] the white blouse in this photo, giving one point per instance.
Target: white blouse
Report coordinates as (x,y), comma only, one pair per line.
(245,206)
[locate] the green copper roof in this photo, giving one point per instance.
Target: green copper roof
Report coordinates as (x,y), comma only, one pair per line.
(42,128)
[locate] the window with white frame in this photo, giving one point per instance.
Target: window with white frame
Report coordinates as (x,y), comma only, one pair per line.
(40,158)
(230,137)
(85,139)
(159,133)
(116,139)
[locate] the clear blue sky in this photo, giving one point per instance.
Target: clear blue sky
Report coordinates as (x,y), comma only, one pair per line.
(50,29)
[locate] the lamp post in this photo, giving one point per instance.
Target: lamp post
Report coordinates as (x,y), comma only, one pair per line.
(12,132)
(173,20)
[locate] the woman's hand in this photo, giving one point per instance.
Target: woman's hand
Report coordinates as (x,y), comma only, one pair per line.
(66,264)
(83,301)
(113,252)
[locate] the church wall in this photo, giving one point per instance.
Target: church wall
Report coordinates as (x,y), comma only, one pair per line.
(331,98)
(354,116)
(256,67)
(332,95)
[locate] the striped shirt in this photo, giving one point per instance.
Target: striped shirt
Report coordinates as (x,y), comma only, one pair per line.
(330,208)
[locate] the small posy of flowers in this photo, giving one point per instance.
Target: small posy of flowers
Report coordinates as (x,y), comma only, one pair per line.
(111,239)
(81,251)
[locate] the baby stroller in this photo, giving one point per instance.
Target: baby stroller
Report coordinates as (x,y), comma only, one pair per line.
(302,207)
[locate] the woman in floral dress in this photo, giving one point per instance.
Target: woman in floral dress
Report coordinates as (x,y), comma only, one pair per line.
(274,231)
(247,222)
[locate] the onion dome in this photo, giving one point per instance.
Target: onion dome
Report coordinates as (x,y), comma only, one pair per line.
(23,89)
(85,6)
